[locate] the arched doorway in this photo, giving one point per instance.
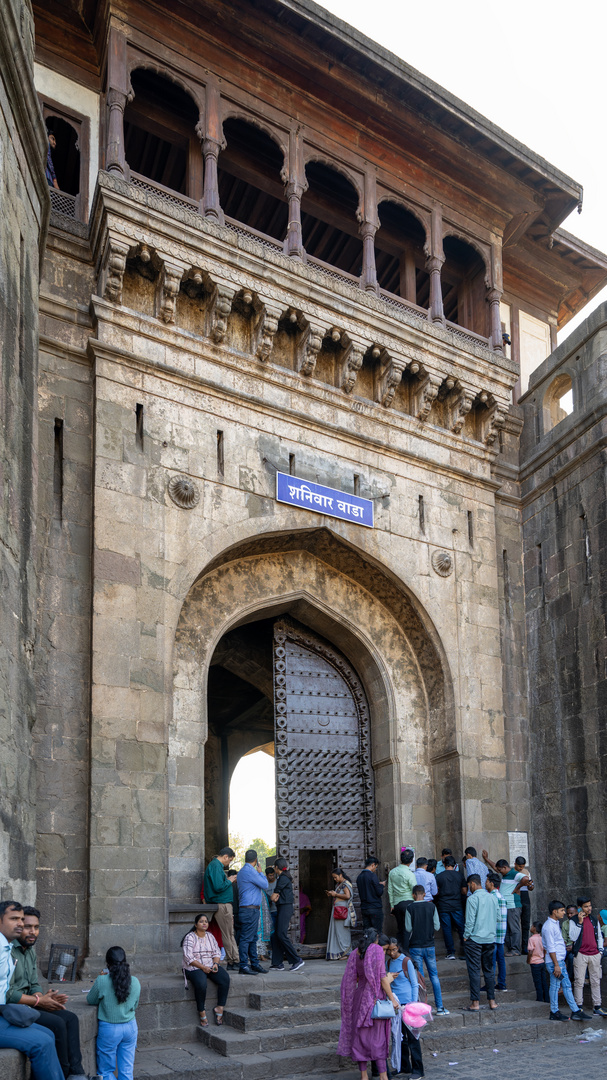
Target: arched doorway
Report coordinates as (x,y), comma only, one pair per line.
(317,717)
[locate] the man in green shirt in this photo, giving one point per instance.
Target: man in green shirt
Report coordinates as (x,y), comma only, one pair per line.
(401,883)
(218,890)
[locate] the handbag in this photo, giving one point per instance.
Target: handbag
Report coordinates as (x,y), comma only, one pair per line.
(340,913)
(383,1010)
(19,1015)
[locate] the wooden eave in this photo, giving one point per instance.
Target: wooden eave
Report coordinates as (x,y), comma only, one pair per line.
(561,268)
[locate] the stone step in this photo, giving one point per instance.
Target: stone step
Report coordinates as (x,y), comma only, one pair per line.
(231,1043)
(199,1062)
(472,1036)
(289,1017)
(286,995)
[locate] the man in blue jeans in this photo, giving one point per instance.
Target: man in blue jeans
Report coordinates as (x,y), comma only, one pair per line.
(34,1041)
(421,920)
(251,883)
(452,888)
(556,952)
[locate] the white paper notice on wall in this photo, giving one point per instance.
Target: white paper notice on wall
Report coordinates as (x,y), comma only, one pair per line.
(518,844)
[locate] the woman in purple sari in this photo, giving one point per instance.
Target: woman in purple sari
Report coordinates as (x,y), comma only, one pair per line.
(365,980)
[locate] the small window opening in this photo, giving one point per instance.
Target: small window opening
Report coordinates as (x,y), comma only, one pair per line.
(540,569)
(558,401)
(248,175)
(328,219)
(65,154)
(399,254)
(506,577)
(470,528)
(58,471)
(356,484)
(21,306)
(220,454)
(586,547)
(139,425)
(463,286)
(292,464)
(422,513)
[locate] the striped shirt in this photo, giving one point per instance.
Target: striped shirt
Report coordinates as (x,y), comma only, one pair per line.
(502,918)
(203,949)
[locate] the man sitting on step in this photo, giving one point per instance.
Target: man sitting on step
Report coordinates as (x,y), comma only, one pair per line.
(25,989)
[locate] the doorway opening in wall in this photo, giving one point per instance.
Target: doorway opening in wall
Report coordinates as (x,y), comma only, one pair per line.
(277,689)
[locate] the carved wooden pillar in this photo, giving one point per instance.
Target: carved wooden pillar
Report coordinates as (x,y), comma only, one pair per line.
(118,94)
(211,134)
(369,224)
(433,267)
(294,177)
(494,297)
(408,280)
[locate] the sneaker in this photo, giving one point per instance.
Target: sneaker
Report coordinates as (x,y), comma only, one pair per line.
(279,967)
(580,1015)
(442,1012)
(232,967)
(451,956)
(416,1076)
(298,965)
(260,970)
(558,1016)
(504,989)
(247,971)
(599,1011)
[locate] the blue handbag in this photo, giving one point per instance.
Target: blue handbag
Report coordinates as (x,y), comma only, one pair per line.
(383,1010)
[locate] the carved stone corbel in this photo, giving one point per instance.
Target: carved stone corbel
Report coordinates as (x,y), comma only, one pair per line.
(458,405)
(308,350)
(387,377)
(492,422)
(112,270)
(266,330)
(221,307)
(168,289)
(351,363)
(423,396)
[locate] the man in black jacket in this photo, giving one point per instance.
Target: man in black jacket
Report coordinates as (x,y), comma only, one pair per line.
(370,891)
(452,888)
(284,899)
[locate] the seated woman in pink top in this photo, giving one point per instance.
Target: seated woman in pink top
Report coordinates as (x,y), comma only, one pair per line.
(535,959)
(201,961)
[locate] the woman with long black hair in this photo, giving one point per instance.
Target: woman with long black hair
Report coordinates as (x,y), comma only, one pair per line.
(339,938)
(201,960)
(116,995)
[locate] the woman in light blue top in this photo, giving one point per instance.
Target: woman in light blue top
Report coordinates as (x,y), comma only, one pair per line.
(116,995)
(405,987)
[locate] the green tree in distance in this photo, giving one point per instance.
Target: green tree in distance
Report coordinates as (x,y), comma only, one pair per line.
(239,845)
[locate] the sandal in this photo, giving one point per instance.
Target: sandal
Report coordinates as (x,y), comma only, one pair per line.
(203,1020)
(218,1017)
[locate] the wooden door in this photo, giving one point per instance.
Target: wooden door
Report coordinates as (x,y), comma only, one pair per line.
(324,779)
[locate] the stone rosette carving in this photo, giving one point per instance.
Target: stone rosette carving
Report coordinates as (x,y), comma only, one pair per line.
(184,492)
(442,563)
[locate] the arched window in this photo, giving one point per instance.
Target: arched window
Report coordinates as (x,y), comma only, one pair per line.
(248,173)
(328,219)
(399,254)
(558,401)
(463,286)
(159,134)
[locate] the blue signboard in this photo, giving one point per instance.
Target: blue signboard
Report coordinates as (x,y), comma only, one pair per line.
(323,500)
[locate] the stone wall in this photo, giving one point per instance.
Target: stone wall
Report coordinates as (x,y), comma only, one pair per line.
(565,550)
(23,189)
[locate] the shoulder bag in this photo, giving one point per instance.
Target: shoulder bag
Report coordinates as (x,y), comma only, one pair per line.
(19,1015)
(383,1010)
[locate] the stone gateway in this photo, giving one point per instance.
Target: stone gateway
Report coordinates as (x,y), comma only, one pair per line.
(284,259)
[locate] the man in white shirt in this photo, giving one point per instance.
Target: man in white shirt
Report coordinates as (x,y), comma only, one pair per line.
(556,952)
(425,879)
(35,1041)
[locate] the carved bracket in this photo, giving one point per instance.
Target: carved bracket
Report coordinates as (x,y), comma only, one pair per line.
(266,330)
(351,363)
(492,421)
(423,396)
(388,374)
(168,289)
(308,350)
(221,307)
(458,405)
(112,270)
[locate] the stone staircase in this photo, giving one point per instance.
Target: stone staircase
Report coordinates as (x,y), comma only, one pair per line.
(285,1026)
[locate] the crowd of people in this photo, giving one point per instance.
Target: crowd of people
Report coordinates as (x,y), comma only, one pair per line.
(383,992)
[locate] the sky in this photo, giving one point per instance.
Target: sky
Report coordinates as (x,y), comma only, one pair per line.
(537,70)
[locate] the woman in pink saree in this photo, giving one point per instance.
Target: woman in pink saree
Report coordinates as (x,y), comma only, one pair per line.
(365,980)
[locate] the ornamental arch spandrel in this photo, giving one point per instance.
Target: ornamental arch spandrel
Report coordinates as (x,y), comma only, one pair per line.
(376,623)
